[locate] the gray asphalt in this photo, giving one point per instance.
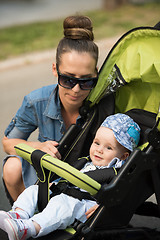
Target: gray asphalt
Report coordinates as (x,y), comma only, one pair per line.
(21,75)
(19,12)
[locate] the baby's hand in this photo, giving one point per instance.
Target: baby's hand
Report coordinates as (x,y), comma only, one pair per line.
(91,211)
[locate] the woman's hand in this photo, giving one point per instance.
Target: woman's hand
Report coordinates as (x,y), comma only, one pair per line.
(91,211)
(50,147)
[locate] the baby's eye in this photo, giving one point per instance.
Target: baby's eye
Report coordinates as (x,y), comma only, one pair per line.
(109,148)
(97,143)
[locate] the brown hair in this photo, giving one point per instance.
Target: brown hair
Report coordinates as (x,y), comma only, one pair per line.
(78,36)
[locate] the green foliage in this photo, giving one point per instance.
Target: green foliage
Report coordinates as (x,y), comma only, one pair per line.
(27,38)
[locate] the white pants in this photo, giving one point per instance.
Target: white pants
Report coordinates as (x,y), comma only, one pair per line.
(60,212)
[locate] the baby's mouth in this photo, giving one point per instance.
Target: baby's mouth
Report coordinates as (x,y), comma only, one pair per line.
(98,157)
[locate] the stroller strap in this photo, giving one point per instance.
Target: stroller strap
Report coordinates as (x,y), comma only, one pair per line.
(70,190)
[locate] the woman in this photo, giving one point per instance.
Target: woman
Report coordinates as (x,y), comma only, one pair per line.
(52,109)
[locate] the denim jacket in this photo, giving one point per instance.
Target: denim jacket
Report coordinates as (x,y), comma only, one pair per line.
(40,109)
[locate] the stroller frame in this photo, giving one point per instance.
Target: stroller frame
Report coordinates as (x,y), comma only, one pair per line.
(117,202)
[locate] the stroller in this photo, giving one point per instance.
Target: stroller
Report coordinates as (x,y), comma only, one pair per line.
(129,82)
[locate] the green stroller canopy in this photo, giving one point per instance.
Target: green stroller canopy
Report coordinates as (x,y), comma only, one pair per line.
(134,63)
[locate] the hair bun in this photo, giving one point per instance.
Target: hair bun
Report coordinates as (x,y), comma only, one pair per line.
(78,27)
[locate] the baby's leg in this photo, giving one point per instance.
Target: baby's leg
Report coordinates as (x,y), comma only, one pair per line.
(60,212)
(23,208)
(27,200)
(16,223)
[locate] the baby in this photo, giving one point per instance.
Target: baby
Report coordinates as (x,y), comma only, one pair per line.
(114,140)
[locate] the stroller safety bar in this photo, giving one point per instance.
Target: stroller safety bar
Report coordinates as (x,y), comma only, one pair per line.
(61,168)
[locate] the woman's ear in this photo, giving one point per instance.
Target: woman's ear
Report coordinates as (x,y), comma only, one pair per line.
(54,70)
(97,70)
(125,155)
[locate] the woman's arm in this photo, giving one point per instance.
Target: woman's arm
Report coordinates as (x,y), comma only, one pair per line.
(49,147)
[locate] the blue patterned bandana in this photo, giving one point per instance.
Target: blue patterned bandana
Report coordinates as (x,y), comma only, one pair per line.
(125,130)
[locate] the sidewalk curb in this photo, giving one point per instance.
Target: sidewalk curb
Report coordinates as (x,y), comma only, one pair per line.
(49,54)
(26,59)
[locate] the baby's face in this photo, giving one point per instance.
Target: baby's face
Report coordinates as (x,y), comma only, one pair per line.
(105,147)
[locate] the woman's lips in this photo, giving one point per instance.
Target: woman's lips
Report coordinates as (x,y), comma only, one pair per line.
(74,97)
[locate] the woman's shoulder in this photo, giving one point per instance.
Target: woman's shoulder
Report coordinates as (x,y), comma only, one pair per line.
(42,93)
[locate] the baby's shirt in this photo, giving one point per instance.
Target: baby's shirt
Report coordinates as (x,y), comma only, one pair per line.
(116,162)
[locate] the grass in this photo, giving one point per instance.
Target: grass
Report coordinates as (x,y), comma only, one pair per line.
(34,37)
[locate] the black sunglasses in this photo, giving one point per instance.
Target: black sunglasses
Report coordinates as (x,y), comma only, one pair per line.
(69,81)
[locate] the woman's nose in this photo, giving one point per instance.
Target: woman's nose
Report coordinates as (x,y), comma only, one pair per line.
(76,88)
